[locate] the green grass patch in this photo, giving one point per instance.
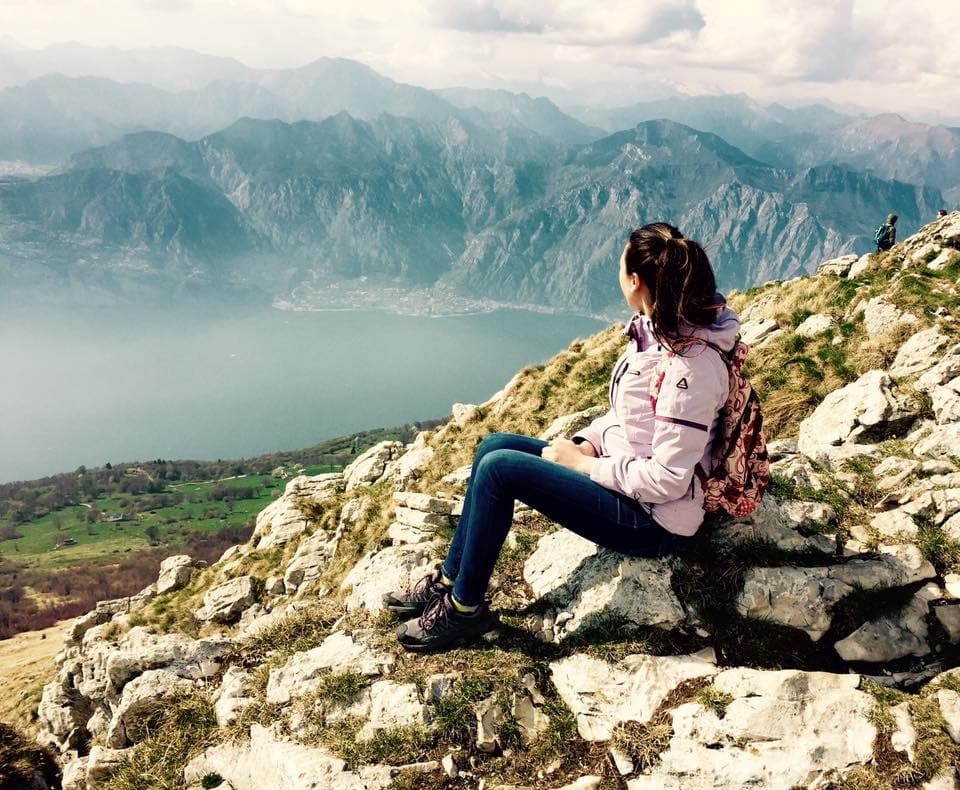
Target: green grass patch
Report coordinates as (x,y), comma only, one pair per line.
(182,729)
(938,547)
(117,524)
(715,700)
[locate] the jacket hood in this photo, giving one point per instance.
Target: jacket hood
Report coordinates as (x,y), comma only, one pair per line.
(723,332)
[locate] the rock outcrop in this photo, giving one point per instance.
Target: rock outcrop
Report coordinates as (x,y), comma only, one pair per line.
(851,569)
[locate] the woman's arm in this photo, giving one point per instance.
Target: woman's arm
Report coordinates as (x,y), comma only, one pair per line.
(571,455)
(694,389)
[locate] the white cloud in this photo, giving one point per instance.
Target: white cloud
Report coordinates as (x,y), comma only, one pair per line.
(876,52)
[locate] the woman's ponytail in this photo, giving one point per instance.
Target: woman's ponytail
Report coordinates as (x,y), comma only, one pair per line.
(679,277)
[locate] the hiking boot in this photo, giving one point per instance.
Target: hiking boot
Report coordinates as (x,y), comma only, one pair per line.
(412,601)
(442,625)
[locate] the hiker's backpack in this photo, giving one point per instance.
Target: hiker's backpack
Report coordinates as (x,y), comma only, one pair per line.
(741,471)
(882,237)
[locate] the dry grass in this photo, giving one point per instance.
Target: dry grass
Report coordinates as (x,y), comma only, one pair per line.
(182,729)
(26,664)
(575,379)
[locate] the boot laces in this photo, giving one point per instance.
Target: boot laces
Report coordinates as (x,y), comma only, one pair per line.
(435,617)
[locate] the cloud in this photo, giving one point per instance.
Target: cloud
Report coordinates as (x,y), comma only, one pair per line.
(170,6)
(481,16)
(575,22)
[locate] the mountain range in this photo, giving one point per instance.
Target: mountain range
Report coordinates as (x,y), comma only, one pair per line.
(280,184)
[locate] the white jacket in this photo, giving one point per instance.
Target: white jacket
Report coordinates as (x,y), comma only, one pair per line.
(652,458)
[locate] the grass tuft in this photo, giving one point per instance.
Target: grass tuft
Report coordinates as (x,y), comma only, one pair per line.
(713,699)
(185,728)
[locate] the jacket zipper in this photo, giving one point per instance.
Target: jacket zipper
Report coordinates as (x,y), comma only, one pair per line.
(618,374)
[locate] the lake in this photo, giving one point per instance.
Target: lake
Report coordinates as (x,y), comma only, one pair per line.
(88,386)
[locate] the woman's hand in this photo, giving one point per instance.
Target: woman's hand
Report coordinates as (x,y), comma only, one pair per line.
(573,456)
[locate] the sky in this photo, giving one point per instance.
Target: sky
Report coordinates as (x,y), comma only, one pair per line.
(876,54)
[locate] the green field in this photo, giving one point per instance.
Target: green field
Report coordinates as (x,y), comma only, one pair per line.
(66,536)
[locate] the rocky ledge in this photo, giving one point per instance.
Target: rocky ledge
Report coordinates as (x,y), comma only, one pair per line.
(812,644)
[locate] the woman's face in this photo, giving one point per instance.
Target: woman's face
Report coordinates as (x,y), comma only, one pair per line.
(635,291)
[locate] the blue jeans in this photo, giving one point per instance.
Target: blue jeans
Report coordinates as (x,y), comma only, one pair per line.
(507,467)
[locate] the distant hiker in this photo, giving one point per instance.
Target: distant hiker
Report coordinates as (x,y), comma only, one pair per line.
(632,481)
(886,235)
(941,213)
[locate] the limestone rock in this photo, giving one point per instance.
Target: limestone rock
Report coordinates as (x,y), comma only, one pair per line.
(591,583)
(838,267)
(74,776)
(102,763)
(139,706)
(106,668)
(423,502)
(919,353)
(568,424)
(393,705)
(175,573)
(373,465)
(904,735)
(84,623)
(267,762)
(339,652)
(943,260)
(950,710)
(778,449)
(232,696)
(816,324)
(783,729)
(804,597)
(952,527)
(440,685)
(490,717)
(951,583)
(759,331)
(530,718)
(801,515)
(945,780)
(941,441)
(400,534)
(894,636)
(420,519)
(462,413)
(450,767)
(862,412)
(584,783)
(409,465)
(949,619)
(894,523)
(601,695)
(798,469)
(946,401)
(283,520)
(947,367)
(770,523)
(225,602)
(458,477)
(893,472)
(60,713)
(311,559)
(393,568)
(860,266)
(353,510)
(880,316)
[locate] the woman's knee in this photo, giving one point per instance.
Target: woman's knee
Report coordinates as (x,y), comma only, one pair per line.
(493,442)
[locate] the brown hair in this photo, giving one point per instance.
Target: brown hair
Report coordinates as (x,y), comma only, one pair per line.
(679,276)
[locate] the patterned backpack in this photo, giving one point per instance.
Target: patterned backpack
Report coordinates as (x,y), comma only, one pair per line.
(741,471)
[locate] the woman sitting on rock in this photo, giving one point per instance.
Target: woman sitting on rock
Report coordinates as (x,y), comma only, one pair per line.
(627,481)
